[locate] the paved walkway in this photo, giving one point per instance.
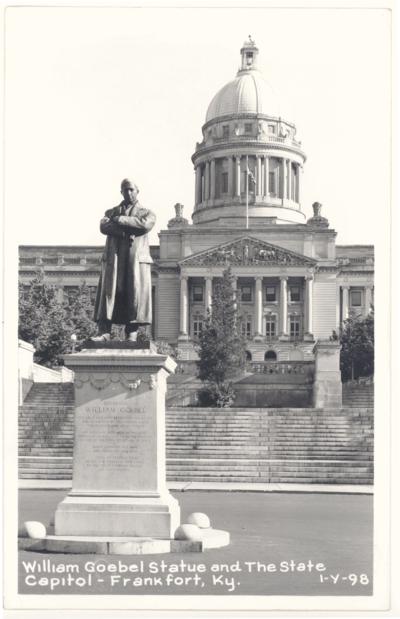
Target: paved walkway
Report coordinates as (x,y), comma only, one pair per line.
(273,537)
(62,484)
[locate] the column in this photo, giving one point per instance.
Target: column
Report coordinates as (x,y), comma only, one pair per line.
(299,169)
(289,165)
(266,176)
(284,179)
(197,196)
(368,299)
(212,181)
(259,176)
(234,286)
(234,283)
(231,172)
(237,187)
(345,302)
(308,314)
(60,294)
(208,294)
(283,308)
(207,182)
(258,305)
(287,178)
(184,305)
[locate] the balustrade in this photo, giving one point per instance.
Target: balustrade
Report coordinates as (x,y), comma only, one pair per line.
(305,368)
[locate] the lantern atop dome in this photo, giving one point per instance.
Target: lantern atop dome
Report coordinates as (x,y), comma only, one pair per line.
(249,53)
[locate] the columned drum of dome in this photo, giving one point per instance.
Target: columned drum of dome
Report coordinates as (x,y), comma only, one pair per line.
(244,133)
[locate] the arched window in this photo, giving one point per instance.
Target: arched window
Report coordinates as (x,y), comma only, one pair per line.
(248,355)
(270,355)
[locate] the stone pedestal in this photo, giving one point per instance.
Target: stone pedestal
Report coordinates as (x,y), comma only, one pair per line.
(327,379)
(119,479)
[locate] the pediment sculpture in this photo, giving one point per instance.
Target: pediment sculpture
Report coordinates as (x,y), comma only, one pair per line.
(247,251)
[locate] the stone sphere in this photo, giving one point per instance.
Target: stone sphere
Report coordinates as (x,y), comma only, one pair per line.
(33,529)
(190,532)
(200,519)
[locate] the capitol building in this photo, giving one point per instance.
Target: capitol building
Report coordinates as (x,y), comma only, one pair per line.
(294,283)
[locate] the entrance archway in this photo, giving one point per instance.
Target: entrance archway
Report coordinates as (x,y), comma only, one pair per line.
(270,355)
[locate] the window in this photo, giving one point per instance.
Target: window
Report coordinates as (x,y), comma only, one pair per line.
(245,294)
(198,293)
(270,327)
(270,355)
(270,293)
(92,292)
(355,298)
(71,292)
(248,127)
(272,183)
(224,181)
(225,131)
(295,294)
(294,327)
(247,327)
(248,355)
(197,327)
(271,129)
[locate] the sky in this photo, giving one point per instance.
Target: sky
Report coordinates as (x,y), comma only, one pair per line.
(97,94)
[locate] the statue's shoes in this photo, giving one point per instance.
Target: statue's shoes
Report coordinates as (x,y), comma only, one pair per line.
(104,337)
(132,337)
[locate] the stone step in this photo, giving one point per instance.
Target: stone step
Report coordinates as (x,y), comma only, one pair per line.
(46,452)
(277,455)
(281,443)
(255,411)
(262,445)
(278,475)
(272,432)
(257,426)
(192,472)
(262,453)
(266,427)
(342,480)
(227,413)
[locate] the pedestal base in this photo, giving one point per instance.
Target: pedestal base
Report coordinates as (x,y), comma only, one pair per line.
(72,544)
(132,516)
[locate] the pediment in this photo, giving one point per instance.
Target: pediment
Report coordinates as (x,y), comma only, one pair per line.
(247,251)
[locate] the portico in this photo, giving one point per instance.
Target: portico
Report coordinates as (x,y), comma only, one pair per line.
(273,288)
(196,292)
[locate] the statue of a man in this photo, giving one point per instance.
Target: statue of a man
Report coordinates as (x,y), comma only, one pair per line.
(124,290)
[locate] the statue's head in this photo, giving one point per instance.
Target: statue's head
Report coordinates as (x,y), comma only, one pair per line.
(317,206)
(129,190)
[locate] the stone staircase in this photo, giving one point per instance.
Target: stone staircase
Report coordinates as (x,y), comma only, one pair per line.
(271,445)
(358,395)
(46,432)
(248,445)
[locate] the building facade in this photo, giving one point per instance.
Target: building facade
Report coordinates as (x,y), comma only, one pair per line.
(294,284)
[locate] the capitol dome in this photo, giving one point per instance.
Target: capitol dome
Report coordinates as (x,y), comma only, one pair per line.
(248,164)
(248,93)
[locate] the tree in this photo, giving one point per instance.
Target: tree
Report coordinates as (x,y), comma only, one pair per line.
(221,345)
(41,321)
(78,311)
(357,352)
(47,323)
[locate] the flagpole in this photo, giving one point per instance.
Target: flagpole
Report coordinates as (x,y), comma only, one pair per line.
(247,192)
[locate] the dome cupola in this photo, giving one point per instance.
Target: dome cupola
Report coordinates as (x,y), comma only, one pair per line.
(246,143)
(249,53)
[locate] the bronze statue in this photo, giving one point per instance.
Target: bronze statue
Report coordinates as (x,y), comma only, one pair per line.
(124,290)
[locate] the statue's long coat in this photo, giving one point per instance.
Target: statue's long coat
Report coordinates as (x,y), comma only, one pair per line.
(124,290)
